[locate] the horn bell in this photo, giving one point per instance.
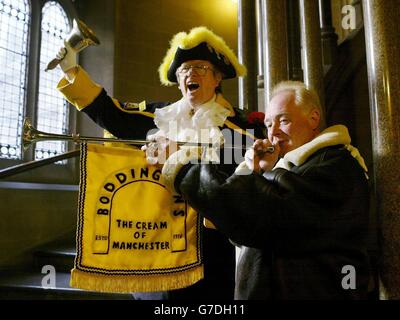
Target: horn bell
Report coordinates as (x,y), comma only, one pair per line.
(29,134)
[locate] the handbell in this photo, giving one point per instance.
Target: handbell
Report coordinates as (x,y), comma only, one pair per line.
(80,37)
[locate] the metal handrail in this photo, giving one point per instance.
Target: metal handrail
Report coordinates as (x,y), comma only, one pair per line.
(10,171)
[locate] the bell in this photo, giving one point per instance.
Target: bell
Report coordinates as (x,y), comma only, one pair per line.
(79,38)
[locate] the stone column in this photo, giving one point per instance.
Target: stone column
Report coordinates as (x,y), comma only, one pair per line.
(275,44)
(260,42)
(382,35)
(260,56)
(311,47)
(294,43)
(328,36)
(247,52)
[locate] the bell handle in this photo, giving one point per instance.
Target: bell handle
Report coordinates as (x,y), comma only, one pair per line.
(52,64)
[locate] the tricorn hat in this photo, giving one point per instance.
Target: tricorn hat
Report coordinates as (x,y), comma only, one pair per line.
(199,44)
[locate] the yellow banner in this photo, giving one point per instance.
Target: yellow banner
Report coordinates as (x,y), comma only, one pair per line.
(133,235)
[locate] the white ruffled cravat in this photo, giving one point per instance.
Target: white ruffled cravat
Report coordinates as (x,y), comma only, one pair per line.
(176,123)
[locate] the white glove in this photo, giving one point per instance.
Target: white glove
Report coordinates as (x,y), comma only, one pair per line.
(151,150)
(159,149)
(249,158)
(68,58)
(155,149)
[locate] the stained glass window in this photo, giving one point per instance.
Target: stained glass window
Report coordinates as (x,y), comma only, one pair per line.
(14,22)
(52,112)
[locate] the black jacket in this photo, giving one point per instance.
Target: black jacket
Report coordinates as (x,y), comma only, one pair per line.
(300,230)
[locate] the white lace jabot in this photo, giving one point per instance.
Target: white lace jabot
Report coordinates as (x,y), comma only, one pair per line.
(176,123)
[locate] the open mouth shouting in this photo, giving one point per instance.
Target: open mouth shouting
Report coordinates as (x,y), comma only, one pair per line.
(192,86)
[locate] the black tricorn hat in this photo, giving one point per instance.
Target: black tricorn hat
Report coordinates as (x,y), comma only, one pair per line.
(199,44)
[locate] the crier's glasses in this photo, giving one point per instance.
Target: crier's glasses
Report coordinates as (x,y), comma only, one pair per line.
(200,70)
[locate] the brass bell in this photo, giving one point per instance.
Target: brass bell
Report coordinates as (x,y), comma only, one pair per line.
(80,37)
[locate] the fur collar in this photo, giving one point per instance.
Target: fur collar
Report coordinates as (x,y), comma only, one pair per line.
(335,135)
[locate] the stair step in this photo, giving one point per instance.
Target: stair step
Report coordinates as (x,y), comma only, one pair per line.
(25,285)
(60,256)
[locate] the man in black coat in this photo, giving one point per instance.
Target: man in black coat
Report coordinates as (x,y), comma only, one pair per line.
(299,213)
(197,62)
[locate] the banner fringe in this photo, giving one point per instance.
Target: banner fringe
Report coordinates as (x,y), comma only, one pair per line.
(134,283)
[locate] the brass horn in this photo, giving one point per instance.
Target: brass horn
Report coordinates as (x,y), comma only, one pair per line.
(80,37)
(31,135)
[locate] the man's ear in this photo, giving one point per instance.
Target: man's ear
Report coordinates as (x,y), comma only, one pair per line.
(314,118)
(218,77)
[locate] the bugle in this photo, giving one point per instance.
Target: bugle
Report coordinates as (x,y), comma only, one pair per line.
(31,135)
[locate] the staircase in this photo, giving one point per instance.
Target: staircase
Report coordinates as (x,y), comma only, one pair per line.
(27,284)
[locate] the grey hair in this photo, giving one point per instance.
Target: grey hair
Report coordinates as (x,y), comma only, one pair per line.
(304,97)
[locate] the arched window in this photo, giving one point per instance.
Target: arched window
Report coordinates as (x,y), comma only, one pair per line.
(32,31)
(52,111)
(14,24)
